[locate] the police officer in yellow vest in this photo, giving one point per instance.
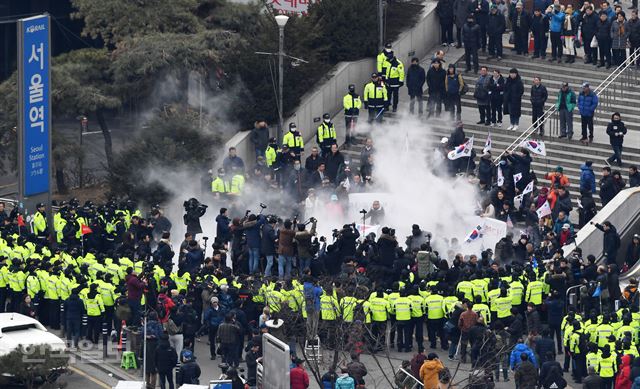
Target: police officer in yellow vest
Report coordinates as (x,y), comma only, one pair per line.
(417,316)
(39,223)
(402,310)
(326,135)
(237,181)
(534,292)
(435,318)
(607,367)
(577,348)
(375,98)
(294,140)
(94,307)
(382,61)
(108,293)
(351,103)
(379,307)
(220,186)
(395,80)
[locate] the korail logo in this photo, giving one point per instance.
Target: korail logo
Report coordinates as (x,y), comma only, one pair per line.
(35,28)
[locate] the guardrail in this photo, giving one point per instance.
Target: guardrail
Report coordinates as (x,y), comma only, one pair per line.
(607,89)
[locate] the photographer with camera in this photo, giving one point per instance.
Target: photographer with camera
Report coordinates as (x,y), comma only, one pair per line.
(286,250)
(304,244)
(194,210)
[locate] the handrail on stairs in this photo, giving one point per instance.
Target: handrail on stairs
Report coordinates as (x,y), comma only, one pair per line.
(631,59)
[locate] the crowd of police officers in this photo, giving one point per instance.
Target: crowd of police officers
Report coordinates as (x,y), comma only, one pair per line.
(378,293)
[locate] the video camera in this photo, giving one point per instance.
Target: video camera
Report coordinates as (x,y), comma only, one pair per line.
(193,204)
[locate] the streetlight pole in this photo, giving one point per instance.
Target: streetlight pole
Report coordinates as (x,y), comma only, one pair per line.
(281,20)
(380,25)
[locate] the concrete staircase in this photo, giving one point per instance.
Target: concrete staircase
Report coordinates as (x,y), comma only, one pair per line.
(569,154)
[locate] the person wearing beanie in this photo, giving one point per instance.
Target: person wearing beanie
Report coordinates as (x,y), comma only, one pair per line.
(616,131)
(565,104)
(521,21)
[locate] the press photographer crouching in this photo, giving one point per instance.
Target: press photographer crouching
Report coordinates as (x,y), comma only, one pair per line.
(194,210)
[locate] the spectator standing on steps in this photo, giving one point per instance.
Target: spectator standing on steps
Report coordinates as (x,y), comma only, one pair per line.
(446,12)
(539,96)
(539,31)
(495,28)
(482,96)
(513,91)
(556,22)
(520,20)
(569,30)
(619,36)
(416,78)
(634,32)
(496,94)
(260,137)
(603,36)
(616,131)
(587,104)
(471,40)
(462,9)
(588,26)
(481,12)
(436,84)
(565,105)
(453,84)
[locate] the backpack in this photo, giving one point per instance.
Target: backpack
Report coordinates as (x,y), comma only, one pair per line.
(309,299)
(465,87)
(171,328)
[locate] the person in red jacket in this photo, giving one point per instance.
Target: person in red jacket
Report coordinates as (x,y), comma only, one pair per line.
(623,380)
(298,376)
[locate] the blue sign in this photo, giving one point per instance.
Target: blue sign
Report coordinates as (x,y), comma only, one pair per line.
(35,89)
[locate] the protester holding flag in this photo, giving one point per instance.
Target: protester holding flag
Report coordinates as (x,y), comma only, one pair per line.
(521,162)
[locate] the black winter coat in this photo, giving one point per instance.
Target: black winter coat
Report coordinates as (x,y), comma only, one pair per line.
(634,31)
(589,26)
(444,10)
(435,81)
(73,308)
(539,94)
(513,91)
(471,36)
(614,128)
(539,25)
(416,78)
(481,11)
(496,24)
(525,21)
(189,374)
(486,170)
(608,189)
(545,345)
(165,357)
(268,243)
(603,31)
(496,90)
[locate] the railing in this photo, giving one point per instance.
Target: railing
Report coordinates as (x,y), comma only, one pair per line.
(608,92)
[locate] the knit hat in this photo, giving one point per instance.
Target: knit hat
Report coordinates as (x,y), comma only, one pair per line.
(519,4)
(559,169)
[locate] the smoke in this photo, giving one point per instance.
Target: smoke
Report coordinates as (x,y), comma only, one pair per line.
(418,191)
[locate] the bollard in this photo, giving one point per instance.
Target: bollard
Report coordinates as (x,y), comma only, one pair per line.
(62,319)
(85,324)
(104,341)
(123,339)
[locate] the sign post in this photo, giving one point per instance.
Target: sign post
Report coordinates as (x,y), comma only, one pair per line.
(34,113)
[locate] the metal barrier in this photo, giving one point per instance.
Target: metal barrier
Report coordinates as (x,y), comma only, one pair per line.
(406,380)
(607,91)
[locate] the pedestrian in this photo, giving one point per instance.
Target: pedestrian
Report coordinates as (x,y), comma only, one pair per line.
(603,36)
(166,359)
(551,374)
(481,12)
(569,31)
(496,95)
(436,88)
(416,77)
(610,241)
(468,320)
(593,380)
(481,94)
(587,104)
(73,309)
(213,318)
(495,28)
(633,25)
(298,376)
(471,39)
(556,23)
(539,31)
(445,9)
(189,372)
(538,96)
(565,104)
(430,370)
(588,26)
(520,20)
(526,374)
(513,91)
(619,36)
(344,381)
(454,86)
(616,131)
(229,336)
(260,137)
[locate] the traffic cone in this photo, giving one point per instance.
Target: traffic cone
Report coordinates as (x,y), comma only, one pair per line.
(121,335)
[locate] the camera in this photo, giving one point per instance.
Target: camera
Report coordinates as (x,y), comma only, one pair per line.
(263,206)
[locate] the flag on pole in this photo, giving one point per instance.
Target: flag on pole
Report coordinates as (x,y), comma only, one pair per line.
(475,234)
(487,144)
(535,146)
(544,210)
(517,201)
(21,221)
(528,188)
(464,150)
(509,222)
(365,229)
(85,230)
(516,177)
(500,180)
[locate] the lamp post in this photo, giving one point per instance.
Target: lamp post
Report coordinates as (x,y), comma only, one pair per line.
(281,20)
